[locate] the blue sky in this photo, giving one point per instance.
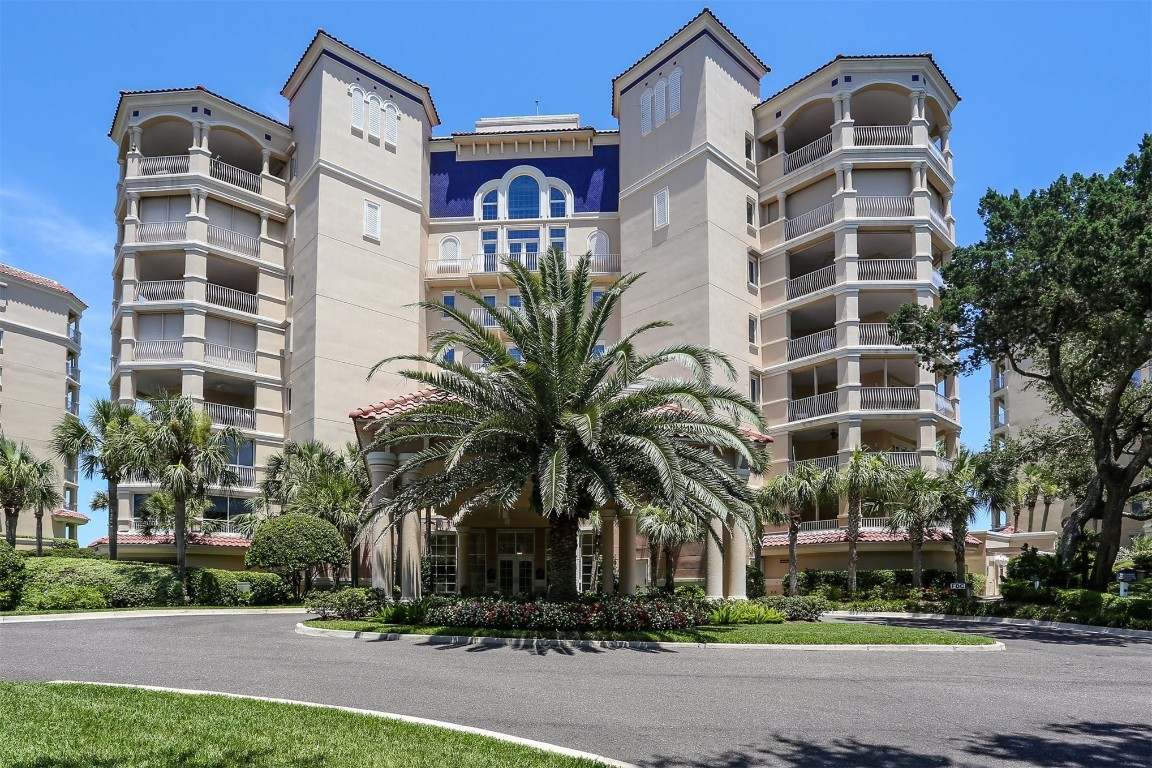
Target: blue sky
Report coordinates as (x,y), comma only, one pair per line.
(1048,87)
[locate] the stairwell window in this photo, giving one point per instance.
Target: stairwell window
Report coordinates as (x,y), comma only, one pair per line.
(750,211)
(660,211)
(753,270)
(674,92)
(356,96)
(660,105)
(372,220)
(753,327)
(646,112)
(754,389)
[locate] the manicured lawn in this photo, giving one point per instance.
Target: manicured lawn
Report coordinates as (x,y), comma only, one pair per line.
(75,726)
(799,633)
(153,608)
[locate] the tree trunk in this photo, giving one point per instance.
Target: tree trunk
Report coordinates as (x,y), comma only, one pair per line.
(563,533)
(1109,542)
(39,533)
(669,571)
(793,533)
(180,524)
(917,562)
(113,519)
(1016,516)
(355,567)
(10,516)
(959,533)
(653,563)
(1044,522)
(853,539)
(1031,516)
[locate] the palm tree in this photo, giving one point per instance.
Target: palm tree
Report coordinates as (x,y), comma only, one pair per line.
(158,515)
(99,444)
(960,497)
(333,486)
(783,499)
(995,472)
(182,453)
(286,471)
(1050,492)
(866,476)
(565,426)
(1031,479)
(916,511)
(25,482)
(666,533)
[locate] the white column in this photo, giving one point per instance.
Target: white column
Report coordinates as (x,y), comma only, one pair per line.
(265,156)
(627,552)
(946,146)
(846,99)
(847,167)
(204,131)
(607,551)
(197,134)
(780,139)
(409,545)
(782,198)
(735,562)
(838,107)
(714,560)
(381,465)
(133,205)
(914,97)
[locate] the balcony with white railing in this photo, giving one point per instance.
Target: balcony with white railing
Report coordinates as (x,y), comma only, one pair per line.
(943,465)
(160,290)
(230,357)
(906,459)
(74,333)
(483,317)
(885,206)
(819,280)
(820,525)
(873,523)
(230,298)
(71,475)
(158,349)
(237,242)
(807,154)
(812,407)
(164,165)
(494,263)
(886,269)
(72,370)
(602,264)
(938,217)
(478,367)
(876,335)
(237,177)
(161,231)
(889,398)
(245,475)
(810,221)
(821,464)
(945,407)
(812,344)
(882,135)
(231,416)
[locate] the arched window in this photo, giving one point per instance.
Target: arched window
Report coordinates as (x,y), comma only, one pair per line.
(661,110)
(523,198)
(598,243)
(374,108)
(356,95)
(391,123)
(449,249)
(646,112)
(488,206)
(674,92)
(558,203)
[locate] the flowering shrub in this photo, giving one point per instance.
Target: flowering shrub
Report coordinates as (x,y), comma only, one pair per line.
(603,613)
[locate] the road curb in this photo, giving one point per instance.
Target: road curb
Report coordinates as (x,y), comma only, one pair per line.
(540,745)
(145,613)
(637,645)
(1035,623)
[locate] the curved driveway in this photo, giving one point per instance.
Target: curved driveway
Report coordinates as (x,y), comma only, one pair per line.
(1051,699)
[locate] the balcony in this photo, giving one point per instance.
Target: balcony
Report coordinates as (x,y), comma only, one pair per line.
(160,290)
(159,349)
(237,242)
(484,317)
(237,177)
(230,357)
(943,465)
(945,407)
(821,464)
(164,165)
(813,281)
(74,334)
(874,523)
(812,344)
(884,206)
(889,398)
(876,335)
(882,135)
(169,165)
(886,269)
(940,221)
(231,416)
(494,263)
(812,407)
(810,221)
(998,382)
(820,525)
(230,298)
(478,367)
(162,231)
(906,459)
(72,370)
(71,475)
(245,476)
(807,154)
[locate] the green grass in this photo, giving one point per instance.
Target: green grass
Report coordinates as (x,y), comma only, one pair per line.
(75,726)
(799,633)
(149,608)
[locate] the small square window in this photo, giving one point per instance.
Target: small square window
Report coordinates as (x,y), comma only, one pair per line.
(450,354)
(660,213)
(449,300)
(599,350)
(749,148)
(596,296)
(515,352)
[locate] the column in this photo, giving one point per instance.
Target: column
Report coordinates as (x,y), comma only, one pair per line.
(846,98)
(714,560)
(838,107)
(204,130)
(782,202)
(463,560)
(381,465)
(946,146)
(926,442)
(607,551)
(914,97)
(921,202)
(780,140)
(409,544)
(627,552)
(265,156)
(133,156)
(736,578)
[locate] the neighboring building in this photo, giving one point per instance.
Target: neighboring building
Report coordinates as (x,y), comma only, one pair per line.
(267,268)
(40,382)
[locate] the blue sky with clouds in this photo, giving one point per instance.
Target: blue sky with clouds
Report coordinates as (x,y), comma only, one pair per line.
(1048,87)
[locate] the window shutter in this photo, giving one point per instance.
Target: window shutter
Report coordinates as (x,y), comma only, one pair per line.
(449,249)
(660,209)
(357,96)
(646,112)
(391,123)
(374,108)
(674,93)
(371,220)
(661,101)
(598,243)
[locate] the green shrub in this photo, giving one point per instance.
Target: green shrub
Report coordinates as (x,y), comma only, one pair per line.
(883,584)
(59,543)
(1084,602)
(1021,591)
(294,545)
(743,612)
(265,588)
(690,592)
(122,583)
(797,608)
(12,575)
(213,586)
(66,597)
(754,582)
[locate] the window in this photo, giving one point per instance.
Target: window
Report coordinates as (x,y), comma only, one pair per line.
(228,333)
(3,295)
(660,109)
(160,326)
(515,302)
(449,249)
(524,247)
(524,198)
(2,342)
(753,270)
(489,242)
(488,206)
(754,389)
(598,243)
(291,285)
(375,106)
(442,563)
(490,300)
(660,209)
(449,300)
(371,220)
(674,92)
(515,353)
(356,95)
(596,296)
(599,350)
(558,203)
(242,453)
(752,323)
(749,147)
(391,123)
(750,211)
(558,239)
(449,354)
(288,399)
(646,112)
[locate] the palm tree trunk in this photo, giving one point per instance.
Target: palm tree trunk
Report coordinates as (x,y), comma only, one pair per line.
(355,567)
(669,571)
(917,562)
(793,534)
(180,524)
(1044,521)
(39,533)
(959,533)
(1031,515)
(653,563)
(563,533)
(10,516)
(1016,516)
(853,539)
(113,518)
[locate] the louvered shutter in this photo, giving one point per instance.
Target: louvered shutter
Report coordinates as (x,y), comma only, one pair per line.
(660,209)
(374,107)
(357,97)
(674,93)
(646,112)
(661,101)
(371,220)
(391,124)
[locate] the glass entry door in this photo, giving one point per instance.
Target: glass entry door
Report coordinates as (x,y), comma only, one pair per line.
(516,563)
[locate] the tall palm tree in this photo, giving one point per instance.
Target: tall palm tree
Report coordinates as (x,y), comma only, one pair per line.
(182,453)
(1050,492)
(25,482)
(100,446)
(916,510)
(783,499)
(286,471)
(334,487)
(666,532)
(960,497)
(865,476)
(995,474)
(1032,477)
(564,426)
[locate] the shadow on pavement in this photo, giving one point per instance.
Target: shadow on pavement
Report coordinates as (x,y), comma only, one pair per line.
(1009,631)
(785,751)
(1070,745)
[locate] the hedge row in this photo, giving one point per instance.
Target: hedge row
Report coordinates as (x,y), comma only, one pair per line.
(884,584)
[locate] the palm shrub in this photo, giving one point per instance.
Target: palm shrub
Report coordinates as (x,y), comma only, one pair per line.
(666,533)
(865,477)
(960,498)
(916,511)
(25,482)
(563,427)
(783,499)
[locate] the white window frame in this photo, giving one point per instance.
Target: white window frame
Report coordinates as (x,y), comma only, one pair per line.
(754,270)
(370,206)
(546,183)
(358,102)
(674,92)
(373,106)
(391,123)
(660,106)
(753,329)
(646,112)
(666,196)
(599,236)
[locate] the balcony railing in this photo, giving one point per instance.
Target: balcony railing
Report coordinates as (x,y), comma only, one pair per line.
(159,349)
(812,282)
(820,525)
(812,344)
(886,269)
(72,406)
(230,357)
(811,407)
(943,465)
(72,370)
(161,231)
(491,263)
(945,407)
(602,264)
(876,335)
(809,222)
(478,367)
(231,416)
(163,165)
(998,382)
(245,476)
(882,135)
(873,523)
(884,206)
(237,177)
(939,219)
(74,333)
(484,317)
(238,242)
(889,398)
(821,464)
(231,298)
(907,459)
(160,290)
(809,153)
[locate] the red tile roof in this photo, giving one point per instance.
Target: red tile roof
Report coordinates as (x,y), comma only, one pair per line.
(71,514)
(43,282)
(840,535)
(211,540)
(398,405)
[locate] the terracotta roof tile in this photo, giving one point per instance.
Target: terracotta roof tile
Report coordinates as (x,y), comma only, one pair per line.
(840,535)
(210,540)
(844,57)
(71,514)
(199,88)
(44,282)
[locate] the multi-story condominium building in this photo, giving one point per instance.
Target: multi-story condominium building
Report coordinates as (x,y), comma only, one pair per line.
(264,268)
(40,382)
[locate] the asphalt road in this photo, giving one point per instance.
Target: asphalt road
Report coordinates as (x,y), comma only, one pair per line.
(1051,699)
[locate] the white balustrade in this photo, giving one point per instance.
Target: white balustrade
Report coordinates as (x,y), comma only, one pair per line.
(163,165)
(161,231)
(237,177)
(944,406)
(906,459)
(245,476)
(882,135)
(602,264)
(809,153)
(231,298)
(820,464)
(875,335)
(231,416)
(159,349)
(230,357)
(886,269)
(809,222)
(447,267)
(484,317)
(820,525)
(884,206)
(74,333)
(812,344)
(873,523)
(998,382)
(811,407)
(939,219)
(160,290)
(478,367)
(220,237)
(889,398)
(822,278)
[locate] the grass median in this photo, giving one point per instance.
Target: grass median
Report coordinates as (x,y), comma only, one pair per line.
(798,633)
(70,726)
